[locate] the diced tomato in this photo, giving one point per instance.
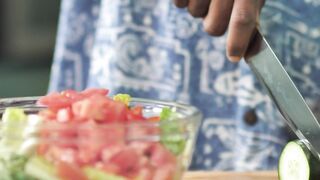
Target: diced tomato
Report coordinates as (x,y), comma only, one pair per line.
(110,151)
(164,173)
(73,95)
(55,101)
(58,135)
(90,143)
(127,160)
(88,155)
(56,153)
(100,133)
(146,173)
(82,109)
(137,131)
(160,156)
(140,147)
(42,149)
(100,108)
(66,135)
(68,171)
(153,119)
(108,167)
(90,108)
(120,114)
(89,129)
(135,114)
(116,113)
(64,115)
(93,138)
(48,114)
(142,131)
(143,161)
(95,91)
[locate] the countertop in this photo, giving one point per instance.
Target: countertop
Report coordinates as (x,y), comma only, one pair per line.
(216,175)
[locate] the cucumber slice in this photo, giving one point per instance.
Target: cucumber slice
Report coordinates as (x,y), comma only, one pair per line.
(13,123)
(14,116)
(124,98)
(5,173)
(297,163)
(39,168)
(96,174)
(171,131)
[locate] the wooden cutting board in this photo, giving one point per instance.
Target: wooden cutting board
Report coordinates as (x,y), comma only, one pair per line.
(207,175)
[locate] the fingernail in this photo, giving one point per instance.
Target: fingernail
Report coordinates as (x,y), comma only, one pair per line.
(234,58)
(234,54)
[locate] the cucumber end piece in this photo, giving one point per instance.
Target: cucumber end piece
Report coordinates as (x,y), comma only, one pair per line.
(294,163)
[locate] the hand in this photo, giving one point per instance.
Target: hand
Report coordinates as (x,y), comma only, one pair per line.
(240,17)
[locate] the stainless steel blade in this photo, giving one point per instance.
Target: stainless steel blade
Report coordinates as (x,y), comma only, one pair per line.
(284,93)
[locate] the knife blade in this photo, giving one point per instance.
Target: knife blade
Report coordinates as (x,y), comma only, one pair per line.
(272,75)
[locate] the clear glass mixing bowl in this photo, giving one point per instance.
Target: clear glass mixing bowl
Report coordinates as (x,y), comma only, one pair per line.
(137,151)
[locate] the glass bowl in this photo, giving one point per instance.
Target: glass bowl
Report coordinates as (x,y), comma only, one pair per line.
(91,151)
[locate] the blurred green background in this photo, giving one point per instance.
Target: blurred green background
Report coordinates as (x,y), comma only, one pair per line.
(27,39)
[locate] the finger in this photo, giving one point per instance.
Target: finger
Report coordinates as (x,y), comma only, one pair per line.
(198,8)
(181,3)
(261,3)
(244,19)
(217,20)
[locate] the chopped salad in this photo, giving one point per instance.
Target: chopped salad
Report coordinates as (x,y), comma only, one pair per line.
(89,135)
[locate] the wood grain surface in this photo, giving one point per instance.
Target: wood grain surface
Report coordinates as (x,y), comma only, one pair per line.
(207,175)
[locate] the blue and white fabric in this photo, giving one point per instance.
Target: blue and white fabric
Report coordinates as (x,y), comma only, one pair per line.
(151,49)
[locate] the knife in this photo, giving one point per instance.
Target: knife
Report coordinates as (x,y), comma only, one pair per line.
(272,75)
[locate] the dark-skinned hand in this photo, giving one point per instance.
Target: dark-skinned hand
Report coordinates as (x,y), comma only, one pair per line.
(240,17)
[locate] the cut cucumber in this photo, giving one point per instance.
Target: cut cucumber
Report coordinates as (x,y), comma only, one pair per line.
(96,174)
(171,131)
(124,98)
(4,172)
(14,116)
(297,163)
(12,126)
(39,168)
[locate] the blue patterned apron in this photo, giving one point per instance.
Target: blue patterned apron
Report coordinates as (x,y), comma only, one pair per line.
(151,49)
